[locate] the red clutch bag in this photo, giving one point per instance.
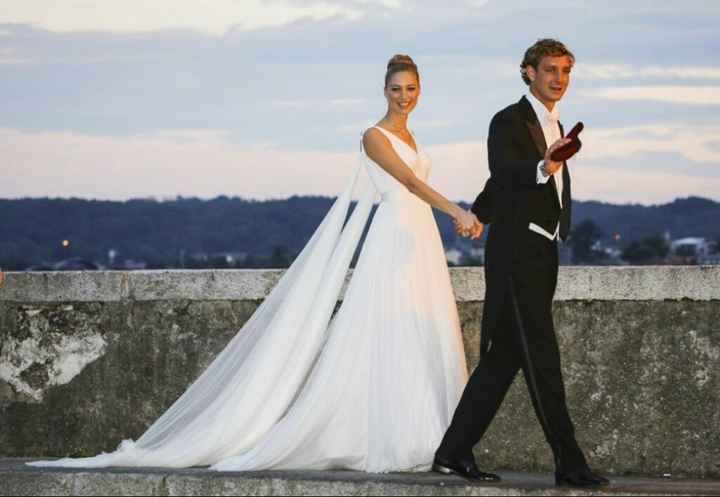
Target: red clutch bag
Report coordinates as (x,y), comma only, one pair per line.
(566,151)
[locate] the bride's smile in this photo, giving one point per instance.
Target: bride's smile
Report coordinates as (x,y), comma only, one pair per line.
(402,93)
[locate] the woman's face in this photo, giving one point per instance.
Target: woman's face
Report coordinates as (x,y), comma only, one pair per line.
(402,92)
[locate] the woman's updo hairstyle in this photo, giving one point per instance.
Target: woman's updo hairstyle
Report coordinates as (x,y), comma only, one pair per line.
(400,63)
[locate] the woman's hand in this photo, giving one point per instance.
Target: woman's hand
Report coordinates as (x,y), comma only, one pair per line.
(467,224)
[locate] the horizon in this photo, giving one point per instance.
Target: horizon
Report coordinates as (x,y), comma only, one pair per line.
(247,99)
(329,198)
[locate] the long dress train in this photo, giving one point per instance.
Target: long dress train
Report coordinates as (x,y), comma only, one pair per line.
(372,388)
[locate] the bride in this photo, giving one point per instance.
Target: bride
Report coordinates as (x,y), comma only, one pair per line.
(372,388)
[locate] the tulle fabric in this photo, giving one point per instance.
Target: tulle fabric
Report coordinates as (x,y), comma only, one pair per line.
(371,389)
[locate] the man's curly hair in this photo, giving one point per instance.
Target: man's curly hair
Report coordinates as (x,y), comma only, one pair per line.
(542,48)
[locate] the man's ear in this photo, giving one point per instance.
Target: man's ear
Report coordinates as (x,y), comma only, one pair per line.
(531,72)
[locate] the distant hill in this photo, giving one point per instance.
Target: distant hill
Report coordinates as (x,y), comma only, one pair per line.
(685,217)
(180,232)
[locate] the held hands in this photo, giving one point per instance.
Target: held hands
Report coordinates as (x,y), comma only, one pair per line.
(551,167)
(468,225)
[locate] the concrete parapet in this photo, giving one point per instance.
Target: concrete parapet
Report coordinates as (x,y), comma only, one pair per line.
(651,283)
(90,358)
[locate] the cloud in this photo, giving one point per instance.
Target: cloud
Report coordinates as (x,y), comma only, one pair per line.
(347,102)
(199,163)
(141,16)
(203,163)
(650,164)
(594,180)
(317,104)
(676,94)
(254,86)
(8,56)
(693,143)
(624,71)
(460,171)
(188,162)
(390,4)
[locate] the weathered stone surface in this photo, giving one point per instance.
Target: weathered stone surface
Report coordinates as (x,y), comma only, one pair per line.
(643,387)
(611,283)
(575,283)
(65,286)
(642,376)
(155,350)
(18,479)
(50,345)
(203,285)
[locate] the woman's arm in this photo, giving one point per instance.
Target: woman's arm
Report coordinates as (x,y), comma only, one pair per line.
(379,149)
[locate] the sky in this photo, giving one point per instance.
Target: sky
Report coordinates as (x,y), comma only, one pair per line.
(268,98)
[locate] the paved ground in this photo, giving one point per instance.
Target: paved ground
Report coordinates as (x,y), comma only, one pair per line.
(18,479)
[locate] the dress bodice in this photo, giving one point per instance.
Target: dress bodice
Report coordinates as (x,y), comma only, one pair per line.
(418,162)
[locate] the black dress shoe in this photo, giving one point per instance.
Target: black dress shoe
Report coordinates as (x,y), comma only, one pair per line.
(466,469)
(580,478)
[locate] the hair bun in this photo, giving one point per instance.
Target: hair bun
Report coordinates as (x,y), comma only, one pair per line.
(400,63)
(401,59)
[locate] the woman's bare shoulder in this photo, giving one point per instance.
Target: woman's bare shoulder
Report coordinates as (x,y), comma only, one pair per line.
(374,137)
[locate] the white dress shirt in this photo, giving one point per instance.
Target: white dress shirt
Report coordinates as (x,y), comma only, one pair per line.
(551,130)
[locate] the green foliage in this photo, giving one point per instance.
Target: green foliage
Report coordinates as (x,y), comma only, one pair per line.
(650,249)
(684,251)
(685,217)
(583,238)
(190,232)
(185,232)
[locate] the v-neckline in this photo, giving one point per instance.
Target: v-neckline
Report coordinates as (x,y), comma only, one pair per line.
(415,150)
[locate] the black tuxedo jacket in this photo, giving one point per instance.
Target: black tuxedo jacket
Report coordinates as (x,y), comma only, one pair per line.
(512,200)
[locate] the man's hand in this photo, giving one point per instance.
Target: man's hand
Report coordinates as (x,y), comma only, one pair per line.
(551,167)
(477,230)
(474,230)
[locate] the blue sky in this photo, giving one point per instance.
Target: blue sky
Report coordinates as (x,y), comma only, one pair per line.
(267,99)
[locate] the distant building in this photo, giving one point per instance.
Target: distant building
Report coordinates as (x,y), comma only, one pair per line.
(454,256)
(478,253)
(609,253)
(217,259)
(691,247)
(232,259)
(132,264)
(694,250)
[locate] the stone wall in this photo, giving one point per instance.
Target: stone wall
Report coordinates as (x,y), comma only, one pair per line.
(89,358)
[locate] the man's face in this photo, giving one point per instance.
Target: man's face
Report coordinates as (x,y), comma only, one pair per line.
(551,79)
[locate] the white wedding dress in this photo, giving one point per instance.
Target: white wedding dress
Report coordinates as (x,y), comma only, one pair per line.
(372,388)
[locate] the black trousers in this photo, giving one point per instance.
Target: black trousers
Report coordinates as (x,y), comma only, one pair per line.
(524,339)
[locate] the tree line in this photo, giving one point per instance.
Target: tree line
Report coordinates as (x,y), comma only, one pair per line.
(192,232)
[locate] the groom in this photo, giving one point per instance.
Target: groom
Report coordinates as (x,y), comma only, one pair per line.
(527,199)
